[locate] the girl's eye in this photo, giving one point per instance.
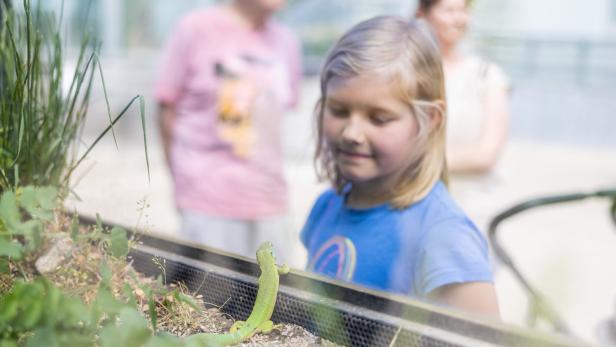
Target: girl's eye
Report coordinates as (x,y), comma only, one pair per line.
(337,112)
(381,119)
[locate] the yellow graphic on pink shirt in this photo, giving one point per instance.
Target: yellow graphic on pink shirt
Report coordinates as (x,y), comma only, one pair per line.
(235,105)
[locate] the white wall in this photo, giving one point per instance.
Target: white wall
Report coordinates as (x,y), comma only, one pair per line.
(551,18)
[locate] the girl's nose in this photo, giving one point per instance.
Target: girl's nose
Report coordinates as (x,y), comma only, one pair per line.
(352,131)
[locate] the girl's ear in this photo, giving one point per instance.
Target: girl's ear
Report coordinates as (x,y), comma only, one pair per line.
(437,114)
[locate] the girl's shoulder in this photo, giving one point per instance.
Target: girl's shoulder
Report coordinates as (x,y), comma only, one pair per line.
(438,206)
(325,201)
(327,195)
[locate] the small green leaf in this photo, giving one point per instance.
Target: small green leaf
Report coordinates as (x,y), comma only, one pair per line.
(44,338)
(39,202)
(4,266)
(131,330)
(106,274)
(75,228)
(27,199)
(47,197)
(32,231)
(9,212)
(10,248)
(152,310)
(31,317)
(188,300)
(130,295)
(8,343)
(107,303)
(119,242)
(9,308)
(99,222)
(164,340)
(54,298)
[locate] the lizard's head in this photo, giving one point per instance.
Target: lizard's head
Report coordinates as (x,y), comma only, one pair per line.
(265,253)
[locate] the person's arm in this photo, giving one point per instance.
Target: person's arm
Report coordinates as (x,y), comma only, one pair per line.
(481,156)
(166,119)
(172,79)
(473,297)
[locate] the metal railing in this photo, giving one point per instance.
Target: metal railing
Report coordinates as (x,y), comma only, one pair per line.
(576,61)
(538,306)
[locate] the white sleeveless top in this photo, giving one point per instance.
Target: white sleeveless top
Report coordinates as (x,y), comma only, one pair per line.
(479,196)
(465,91)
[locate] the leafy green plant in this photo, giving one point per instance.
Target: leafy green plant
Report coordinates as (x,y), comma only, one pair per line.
(38,204)
(21,225)
(39,123)
(36,312)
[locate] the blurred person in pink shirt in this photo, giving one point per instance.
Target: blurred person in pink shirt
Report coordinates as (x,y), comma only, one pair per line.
(228,75)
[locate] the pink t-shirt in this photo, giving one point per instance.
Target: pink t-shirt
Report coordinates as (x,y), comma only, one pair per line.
(230,86)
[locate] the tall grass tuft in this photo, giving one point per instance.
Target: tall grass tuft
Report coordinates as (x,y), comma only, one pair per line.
(39,122)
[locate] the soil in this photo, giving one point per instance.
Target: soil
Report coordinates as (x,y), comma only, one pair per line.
(291,335)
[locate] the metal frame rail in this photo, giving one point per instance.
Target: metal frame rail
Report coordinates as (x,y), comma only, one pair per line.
(538,304)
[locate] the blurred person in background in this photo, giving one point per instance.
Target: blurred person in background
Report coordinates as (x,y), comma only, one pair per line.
(477,107)
(228,75)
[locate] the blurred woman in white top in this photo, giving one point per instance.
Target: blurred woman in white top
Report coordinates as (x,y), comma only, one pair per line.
(477,110)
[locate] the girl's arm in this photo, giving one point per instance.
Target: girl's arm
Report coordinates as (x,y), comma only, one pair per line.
(481,156)
(475,297)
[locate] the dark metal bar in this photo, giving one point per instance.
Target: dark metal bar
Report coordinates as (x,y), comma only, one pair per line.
(537,300)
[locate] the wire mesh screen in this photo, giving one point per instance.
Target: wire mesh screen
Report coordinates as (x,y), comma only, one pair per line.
(345,316)
(236,297)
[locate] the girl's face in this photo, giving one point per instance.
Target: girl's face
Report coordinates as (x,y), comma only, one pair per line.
(449,18)
(368,129)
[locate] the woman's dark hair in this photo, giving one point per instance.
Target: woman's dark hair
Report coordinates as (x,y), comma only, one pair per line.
(426,5)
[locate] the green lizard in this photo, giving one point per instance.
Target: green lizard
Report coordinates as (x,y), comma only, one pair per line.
(259,319)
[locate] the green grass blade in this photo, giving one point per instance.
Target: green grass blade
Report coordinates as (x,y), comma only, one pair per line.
(102,134)
(143,128)
(100,71)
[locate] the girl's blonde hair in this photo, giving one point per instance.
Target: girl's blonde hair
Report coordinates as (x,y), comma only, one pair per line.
(406,53)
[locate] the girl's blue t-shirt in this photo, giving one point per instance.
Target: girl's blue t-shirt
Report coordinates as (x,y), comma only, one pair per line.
(409,251)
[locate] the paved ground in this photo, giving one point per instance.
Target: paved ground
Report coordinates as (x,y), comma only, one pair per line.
(568,251)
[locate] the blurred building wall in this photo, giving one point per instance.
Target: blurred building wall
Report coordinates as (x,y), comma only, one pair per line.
(559,54)
(593,19)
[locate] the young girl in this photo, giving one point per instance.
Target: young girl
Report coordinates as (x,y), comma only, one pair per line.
(389,222)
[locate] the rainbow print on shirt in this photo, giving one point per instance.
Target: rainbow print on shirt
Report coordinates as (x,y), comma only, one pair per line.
(338,253)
